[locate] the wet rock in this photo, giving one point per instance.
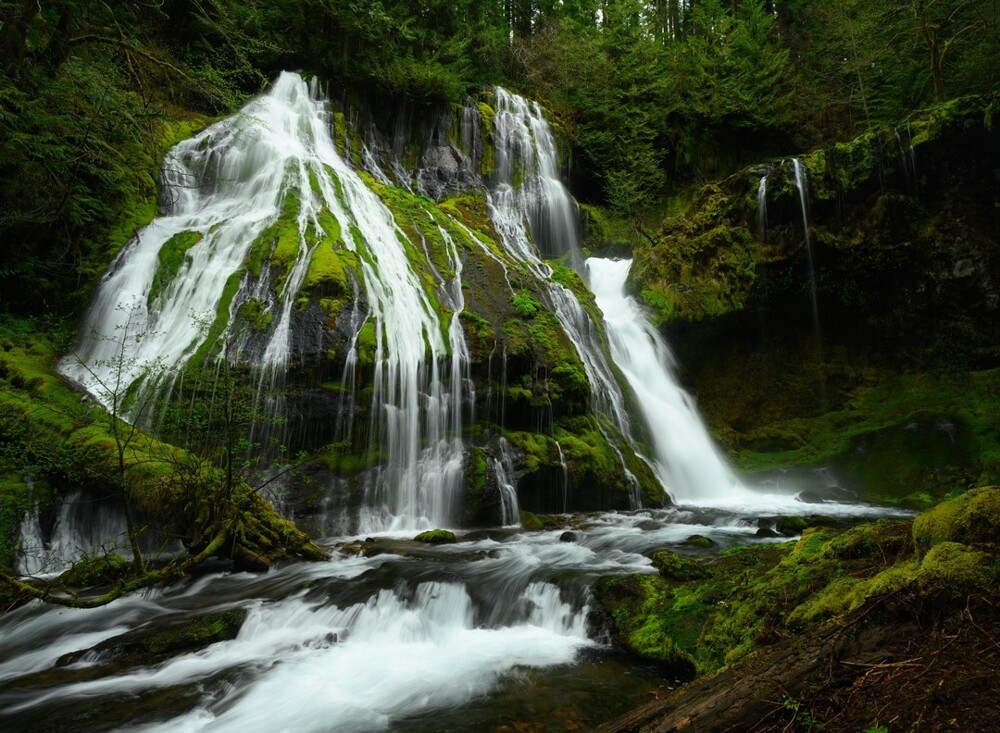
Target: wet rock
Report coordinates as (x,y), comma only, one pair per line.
(809,497)
(567,537)
(146,645)
(436,537)
(698,540)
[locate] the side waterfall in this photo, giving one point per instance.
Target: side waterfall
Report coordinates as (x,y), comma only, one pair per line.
(802,186)
(762,209)
(686,460)
(535,216)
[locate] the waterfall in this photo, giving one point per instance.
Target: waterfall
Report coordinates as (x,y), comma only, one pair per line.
(534,214)
(526,167)
(83,527)
(565,478)
(762,209)
(503,472)
(686,460)
(802,186)
(228,187)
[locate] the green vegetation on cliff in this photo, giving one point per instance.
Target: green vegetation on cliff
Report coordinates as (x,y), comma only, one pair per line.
(54,438)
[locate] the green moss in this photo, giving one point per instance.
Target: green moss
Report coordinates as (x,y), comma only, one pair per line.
(487,114)
(16,499)
(340,133)
(367,344)
(531,521)
(888,436)
(677,567)
(704,263)
(211,345)
(328,278)
(256,316)
(972,518)
(525,305)
(699,541)
(476,510)
(171,259)
(95,570)
(436,537)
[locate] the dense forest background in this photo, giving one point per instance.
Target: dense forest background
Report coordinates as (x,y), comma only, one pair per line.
(655,96)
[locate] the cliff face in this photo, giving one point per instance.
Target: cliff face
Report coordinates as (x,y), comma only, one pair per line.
(876,347)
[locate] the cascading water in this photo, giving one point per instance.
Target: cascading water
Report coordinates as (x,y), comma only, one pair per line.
(565,477)
(526,153)
(228,185)
(686,461)
(542,206)
(83,527)
(802,186)
(762,209)
(502,468)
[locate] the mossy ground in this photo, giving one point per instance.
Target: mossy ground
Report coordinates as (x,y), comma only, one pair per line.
(717,612)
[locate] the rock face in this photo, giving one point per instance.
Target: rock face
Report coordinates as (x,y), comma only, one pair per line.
(900,278)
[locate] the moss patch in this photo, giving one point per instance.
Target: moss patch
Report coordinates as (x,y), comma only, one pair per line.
(436,537)
(171,257)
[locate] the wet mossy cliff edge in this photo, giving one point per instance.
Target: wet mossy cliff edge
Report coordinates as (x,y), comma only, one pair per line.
(890,384)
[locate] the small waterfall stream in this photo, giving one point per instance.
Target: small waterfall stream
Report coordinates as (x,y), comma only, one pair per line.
(762,209)
(539,216)
(686,460)
(802,186)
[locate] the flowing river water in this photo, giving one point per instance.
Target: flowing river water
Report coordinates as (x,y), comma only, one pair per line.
(491,631)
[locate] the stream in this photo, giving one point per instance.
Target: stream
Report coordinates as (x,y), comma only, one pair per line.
(491,633)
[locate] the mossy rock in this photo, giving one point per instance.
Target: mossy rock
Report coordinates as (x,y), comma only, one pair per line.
(531,521)
(677,567)
(699,541)
(146,645)
(436,537)
(973,518)
(638,608)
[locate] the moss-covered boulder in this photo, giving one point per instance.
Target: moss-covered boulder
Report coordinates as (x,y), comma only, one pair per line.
(972,519)
(639,607)
(436,537)
(672,566)
(148,645)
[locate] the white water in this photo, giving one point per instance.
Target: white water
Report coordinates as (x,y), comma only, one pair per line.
(802,186)
(525,149)
(686,460)
(502,468)
(762,209)
(81,528)
(228,184)
(354,644)
(539,216)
